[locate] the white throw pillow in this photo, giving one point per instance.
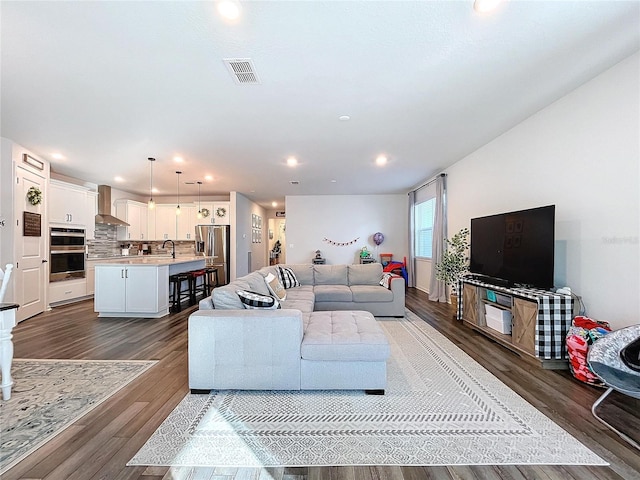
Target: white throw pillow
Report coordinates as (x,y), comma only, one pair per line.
(275,286)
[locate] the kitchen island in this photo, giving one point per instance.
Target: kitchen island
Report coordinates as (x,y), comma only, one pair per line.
(138,286)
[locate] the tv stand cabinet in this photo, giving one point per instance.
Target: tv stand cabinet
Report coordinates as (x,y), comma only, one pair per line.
(540,320)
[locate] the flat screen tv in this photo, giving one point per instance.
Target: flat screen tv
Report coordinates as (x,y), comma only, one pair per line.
(515,248)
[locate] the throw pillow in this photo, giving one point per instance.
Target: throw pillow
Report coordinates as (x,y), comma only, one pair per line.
(254,300)
(288,278)
(386,279)
(275,287)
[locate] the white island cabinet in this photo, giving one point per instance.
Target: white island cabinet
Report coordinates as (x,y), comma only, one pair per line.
(138,287)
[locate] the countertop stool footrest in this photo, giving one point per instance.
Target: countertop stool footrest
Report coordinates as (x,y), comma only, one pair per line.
(177,292)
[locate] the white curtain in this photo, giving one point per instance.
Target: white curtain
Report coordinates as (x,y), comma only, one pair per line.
(438,289)
(411,264)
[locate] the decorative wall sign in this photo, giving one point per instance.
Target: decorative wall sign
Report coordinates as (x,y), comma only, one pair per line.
(340,244)
(280,214)
(31,224)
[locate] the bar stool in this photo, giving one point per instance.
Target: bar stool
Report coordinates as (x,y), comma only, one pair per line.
(212,272)
(194,288)
(177,292)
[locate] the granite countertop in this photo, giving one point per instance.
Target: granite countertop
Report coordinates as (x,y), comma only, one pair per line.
(148,260)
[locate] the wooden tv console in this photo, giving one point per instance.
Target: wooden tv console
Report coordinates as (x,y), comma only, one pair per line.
(540,320)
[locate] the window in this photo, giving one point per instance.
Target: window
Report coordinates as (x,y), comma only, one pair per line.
(424,213)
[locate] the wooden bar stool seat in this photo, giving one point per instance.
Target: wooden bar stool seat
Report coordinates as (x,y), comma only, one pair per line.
(196,288)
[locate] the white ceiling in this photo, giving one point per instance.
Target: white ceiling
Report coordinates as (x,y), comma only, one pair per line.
(108,84)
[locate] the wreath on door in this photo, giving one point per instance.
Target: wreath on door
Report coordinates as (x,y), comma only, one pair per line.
(34,195)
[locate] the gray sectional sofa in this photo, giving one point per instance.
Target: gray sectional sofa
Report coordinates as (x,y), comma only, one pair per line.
(323,337)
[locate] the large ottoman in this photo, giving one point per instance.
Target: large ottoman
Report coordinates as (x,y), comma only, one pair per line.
(343,350)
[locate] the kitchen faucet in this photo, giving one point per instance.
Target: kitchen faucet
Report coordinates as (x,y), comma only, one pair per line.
(173,247)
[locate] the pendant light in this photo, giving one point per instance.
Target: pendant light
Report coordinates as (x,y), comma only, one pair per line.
(151,204)
(178,190)
(199,209)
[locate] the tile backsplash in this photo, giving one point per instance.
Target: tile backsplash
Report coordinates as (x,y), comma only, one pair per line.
(106,244)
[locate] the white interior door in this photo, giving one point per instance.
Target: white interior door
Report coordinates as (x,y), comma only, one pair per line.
(31,267)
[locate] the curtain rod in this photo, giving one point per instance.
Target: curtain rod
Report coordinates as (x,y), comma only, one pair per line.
(428,182)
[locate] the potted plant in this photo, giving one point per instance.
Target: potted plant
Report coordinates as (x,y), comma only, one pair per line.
(455,262)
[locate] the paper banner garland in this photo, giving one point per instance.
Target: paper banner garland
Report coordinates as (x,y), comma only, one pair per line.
(340,244)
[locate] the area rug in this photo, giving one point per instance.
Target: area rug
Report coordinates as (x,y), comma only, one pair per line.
(49,395)
(440,408)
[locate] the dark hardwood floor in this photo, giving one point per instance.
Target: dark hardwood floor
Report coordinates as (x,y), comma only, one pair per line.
(99,445)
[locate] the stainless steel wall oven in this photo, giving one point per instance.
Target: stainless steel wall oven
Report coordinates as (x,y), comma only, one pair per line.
(66,254)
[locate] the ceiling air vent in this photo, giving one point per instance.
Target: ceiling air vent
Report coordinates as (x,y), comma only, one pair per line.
(242,70)
(294,182)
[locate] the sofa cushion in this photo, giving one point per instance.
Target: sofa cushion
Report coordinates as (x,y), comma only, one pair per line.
(330,275)
(288,278)
(300,298)
(332,293)
(226,298)
(303,272)
(344,336)
(275,286)
(254,300)
(256,283)
(366,274)
(371,293)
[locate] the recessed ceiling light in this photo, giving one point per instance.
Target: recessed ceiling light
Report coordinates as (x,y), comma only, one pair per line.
(57,156)
(292,161)
(178,159)
(334,181)
(485,6)
(274,204)
(208,178)
(229,9)
(344,118)
(381,160)
(118,179)
(154,190)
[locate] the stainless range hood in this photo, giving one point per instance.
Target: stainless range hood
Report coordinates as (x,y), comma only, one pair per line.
(104,208)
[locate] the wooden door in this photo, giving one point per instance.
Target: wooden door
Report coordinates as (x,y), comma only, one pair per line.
(525,321)
(31,271)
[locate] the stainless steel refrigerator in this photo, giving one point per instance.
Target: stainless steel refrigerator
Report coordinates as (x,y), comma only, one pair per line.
(212,241)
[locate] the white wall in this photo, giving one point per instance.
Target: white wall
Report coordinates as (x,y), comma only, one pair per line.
(343,218)
(581,153)
(241,245)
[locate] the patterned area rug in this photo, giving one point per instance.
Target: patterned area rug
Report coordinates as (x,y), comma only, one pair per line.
(49,395)
(440,408)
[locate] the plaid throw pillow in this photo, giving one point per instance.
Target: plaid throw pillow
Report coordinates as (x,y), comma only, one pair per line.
(288,278)
(254,300)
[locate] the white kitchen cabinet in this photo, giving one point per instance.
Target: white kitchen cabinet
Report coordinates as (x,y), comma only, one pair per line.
(67,291)
(186,222)
(68,204)
(221,213)
(165,222)
(135,290)
(135,214)
(208,219)
(92,211)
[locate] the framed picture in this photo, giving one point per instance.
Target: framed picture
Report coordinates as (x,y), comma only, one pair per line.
(253,220)
(259,222)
